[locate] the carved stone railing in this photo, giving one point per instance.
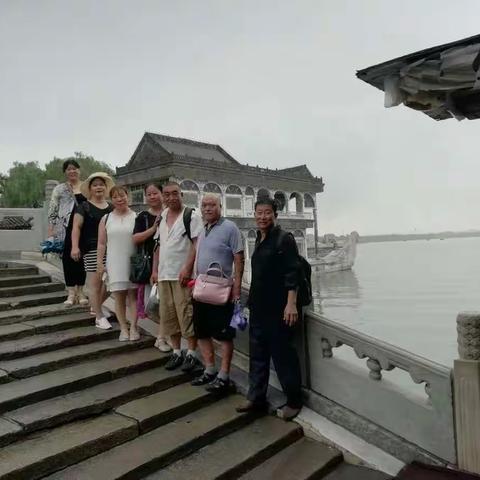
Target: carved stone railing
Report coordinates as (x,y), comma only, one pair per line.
(365,390)
(301,215)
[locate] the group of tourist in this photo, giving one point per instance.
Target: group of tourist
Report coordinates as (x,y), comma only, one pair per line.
(187,249)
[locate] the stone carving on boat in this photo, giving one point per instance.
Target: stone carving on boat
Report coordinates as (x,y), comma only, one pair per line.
(340,257)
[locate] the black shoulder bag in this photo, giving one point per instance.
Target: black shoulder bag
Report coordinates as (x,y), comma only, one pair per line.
(140,263)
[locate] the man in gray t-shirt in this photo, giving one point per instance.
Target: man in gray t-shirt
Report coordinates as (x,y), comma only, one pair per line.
(220,243)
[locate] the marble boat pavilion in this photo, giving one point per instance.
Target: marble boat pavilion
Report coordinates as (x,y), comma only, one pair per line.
(203,167)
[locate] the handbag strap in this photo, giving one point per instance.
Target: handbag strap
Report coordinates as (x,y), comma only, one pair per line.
(141,250)
(216,269)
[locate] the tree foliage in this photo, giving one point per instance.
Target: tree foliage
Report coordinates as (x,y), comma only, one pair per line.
(24,185)
(88,165)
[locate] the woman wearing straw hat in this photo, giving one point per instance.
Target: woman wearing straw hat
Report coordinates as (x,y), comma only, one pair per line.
(88,214)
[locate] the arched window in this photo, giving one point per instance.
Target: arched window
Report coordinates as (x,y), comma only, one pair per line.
(263,193)
(295,203)
(308,201)
(249,200)
(137,195)
(211,187)
(191,193)
(281,199)
(233,201)
(234,190)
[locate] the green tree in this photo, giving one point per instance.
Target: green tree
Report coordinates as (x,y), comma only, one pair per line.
(24,185)
(88,165)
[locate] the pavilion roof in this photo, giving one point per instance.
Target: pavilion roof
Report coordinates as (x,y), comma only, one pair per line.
(442,81)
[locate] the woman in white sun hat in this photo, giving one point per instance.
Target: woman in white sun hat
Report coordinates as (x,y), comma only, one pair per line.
(88,214)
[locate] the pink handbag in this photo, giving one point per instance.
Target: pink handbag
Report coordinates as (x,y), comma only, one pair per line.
(212,289)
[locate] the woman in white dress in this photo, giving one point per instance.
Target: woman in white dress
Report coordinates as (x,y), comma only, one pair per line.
(115,236)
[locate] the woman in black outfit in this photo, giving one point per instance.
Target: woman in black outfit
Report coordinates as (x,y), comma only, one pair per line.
(85,236)
(145,229)
(273,313)
(65,197)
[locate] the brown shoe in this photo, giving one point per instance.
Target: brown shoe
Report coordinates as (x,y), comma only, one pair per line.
(287,413)
(249,406)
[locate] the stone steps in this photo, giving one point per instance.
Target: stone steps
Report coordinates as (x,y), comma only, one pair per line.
(353,472)
(88,402)
(36,312)
(45,452)
(235,453)
(44,325)
(75,403)
(17,270)
(302,460)
(13,281)
(161,446)
(24,301)
(66,380)
(22,290)
(45,342)
(53,360)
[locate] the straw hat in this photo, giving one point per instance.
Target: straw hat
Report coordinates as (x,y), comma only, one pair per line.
(85,186)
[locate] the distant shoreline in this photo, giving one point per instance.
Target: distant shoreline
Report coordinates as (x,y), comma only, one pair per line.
(416,236)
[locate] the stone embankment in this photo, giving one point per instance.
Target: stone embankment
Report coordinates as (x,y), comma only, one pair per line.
(77,404)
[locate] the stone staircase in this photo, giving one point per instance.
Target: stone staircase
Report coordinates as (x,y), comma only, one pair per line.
(77,404)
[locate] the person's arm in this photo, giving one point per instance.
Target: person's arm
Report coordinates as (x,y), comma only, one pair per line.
(141,237)
(186,272)
(156,257)
(101,245)
(290,268)
(76,228)
(53,211)
(196,227)
(239,263)
(237,246)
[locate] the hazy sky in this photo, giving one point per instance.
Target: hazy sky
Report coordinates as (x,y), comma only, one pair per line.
(273,82)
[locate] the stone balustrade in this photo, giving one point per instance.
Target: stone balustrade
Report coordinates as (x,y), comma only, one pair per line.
(362,398)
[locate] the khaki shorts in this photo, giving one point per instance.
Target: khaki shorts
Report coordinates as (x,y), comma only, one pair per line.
(175,309)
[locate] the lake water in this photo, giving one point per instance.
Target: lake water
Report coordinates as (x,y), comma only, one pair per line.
(406,293)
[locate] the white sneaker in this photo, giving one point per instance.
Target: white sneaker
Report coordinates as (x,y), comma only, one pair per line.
(103,323)
(162,345)
(124,337)
(134,335)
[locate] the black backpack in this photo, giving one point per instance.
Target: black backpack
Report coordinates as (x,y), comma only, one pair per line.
(304,293)
(187,220)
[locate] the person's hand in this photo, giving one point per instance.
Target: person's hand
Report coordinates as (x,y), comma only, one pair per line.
(50,239)
(75,254)
(236,293)
(100,270)
(154,278)
(184,276)
(290,314)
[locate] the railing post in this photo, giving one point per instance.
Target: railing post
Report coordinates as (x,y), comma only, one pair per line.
(466,373)
(49,186)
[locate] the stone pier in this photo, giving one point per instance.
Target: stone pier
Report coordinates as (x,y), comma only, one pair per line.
(467,391)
